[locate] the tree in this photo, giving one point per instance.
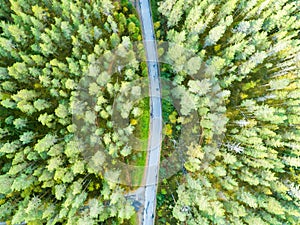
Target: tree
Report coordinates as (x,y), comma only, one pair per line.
(41,104)
(27,137)
(46,119)
(199,87)
(9,147)
(61,111)
(214,35)
(45,143)
(60,191)
(114,40)
(5,183)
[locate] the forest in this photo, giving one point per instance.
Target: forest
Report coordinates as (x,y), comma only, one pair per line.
(74,111)
(245,86)
(58,83)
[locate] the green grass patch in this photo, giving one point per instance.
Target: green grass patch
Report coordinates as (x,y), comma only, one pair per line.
(142,133)
(134,220)
(142,127)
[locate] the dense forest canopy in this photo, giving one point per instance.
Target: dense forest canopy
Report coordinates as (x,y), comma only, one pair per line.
(245,169)
(57,82)
(230,72)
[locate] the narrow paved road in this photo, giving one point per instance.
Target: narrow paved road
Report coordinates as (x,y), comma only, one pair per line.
(155,133)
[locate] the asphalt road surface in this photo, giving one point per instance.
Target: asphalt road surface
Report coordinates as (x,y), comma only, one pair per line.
(155,135)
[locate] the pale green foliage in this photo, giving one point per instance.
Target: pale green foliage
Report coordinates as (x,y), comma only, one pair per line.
(85,221)
(60,191)
(107,6)
(56,150)
(98,159)
(9,147)
(188,104)
(193,65)
(41,104)
(292,161)
(279,84)
(73,148)
(126,151)
(17,32)
(249,199)
(61,111)
(78,167)
(214,35)
(136,112)
(173,10)
(27,137)
(8,85)
(79,199)
(84,33)
(94,89)
(17,71)
(49,211)
(15,169)
(200,87)
(220,171)
(7,103)
(116,197)
(54,163)
(70,84)
(5,184)
(26,107)
(90,117)
(22,182)
(126,211)
(33,205)
(249,145)
(39,12)
(46,119)
(45,143)
(215,65)
(18,217)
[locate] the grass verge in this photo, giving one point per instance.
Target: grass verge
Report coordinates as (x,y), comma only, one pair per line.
(142,133)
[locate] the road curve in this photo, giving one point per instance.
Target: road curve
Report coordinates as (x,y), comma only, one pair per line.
(155,131)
